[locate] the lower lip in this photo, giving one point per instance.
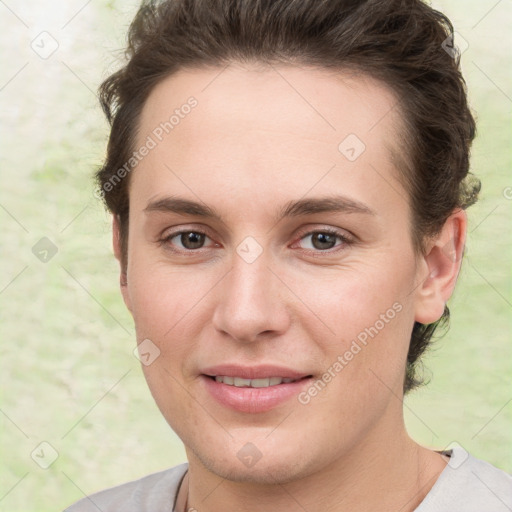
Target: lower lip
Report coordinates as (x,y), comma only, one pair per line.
(253,400)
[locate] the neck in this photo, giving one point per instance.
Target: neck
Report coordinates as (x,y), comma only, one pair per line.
(392,475)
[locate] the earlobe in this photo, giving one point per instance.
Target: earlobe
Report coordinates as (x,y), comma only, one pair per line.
(439,269)
(118,253)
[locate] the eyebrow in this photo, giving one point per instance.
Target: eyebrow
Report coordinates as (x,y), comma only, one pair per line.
(310,206)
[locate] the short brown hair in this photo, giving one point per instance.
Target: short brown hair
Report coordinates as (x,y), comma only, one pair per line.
(404,43)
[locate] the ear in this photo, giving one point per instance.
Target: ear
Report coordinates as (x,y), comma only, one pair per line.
(439,268)
(123,278)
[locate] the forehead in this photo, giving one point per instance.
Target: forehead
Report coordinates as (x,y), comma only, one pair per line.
(273,95)
(266,129)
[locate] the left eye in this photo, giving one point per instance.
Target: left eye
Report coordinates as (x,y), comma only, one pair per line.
(323,240)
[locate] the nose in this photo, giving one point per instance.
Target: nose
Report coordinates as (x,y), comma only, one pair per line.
(251,302)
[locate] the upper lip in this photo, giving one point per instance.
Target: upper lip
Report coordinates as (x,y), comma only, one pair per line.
(253,372)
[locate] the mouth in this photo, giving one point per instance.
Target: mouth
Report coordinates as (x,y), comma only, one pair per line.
(265,382)
(253,389)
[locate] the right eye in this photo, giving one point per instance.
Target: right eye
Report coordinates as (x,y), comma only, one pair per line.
(186,240)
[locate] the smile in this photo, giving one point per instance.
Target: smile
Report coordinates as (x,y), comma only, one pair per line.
(253,395)
(240,382)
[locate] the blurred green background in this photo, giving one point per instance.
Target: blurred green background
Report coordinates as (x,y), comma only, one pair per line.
(68,373)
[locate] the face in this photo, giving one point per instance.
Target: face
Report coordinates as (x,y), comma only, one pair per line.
(296,262)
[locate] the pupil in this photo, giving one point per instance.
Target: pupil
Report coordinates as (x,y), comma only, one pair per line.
(192,240)
(324,238)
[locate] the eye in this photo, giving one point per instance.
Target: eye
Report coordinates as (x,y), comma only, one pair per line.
(321,240)
(324,239)
(186,240)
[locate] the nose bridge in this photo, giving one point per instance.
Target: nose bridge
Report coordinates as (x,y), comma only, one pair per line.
(250,280)
(249,302)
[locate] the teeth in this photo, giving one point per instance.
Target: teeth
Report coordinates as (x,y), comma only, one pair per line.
(239,382)
(242,383)
(261,383)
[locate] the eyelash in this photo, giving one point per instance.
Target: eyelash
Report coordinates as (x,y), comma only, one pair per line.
(346,241)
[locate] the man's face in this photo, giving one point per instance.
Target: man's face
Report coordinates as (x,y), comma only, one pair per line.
(263,290)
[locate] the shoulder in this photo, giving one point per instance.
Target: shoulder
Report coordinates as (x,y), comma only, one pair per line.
(153,492)
(471,485)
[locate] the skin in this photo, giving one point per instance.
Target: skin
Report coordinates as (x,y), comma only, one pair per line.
(252,144)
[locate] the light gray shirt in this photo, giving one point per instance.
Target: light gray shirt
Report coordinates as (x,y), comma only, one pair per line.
(466,484)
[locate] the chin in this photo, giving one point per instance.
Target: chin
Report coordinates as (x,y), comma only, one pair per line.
(264,472)
(277,463)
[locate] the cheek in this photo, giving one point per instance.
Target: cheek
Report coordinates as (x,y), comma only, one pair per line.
(165,299)
(353,301)
(363,375)
(174,398)
(166,306)
(368,317)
